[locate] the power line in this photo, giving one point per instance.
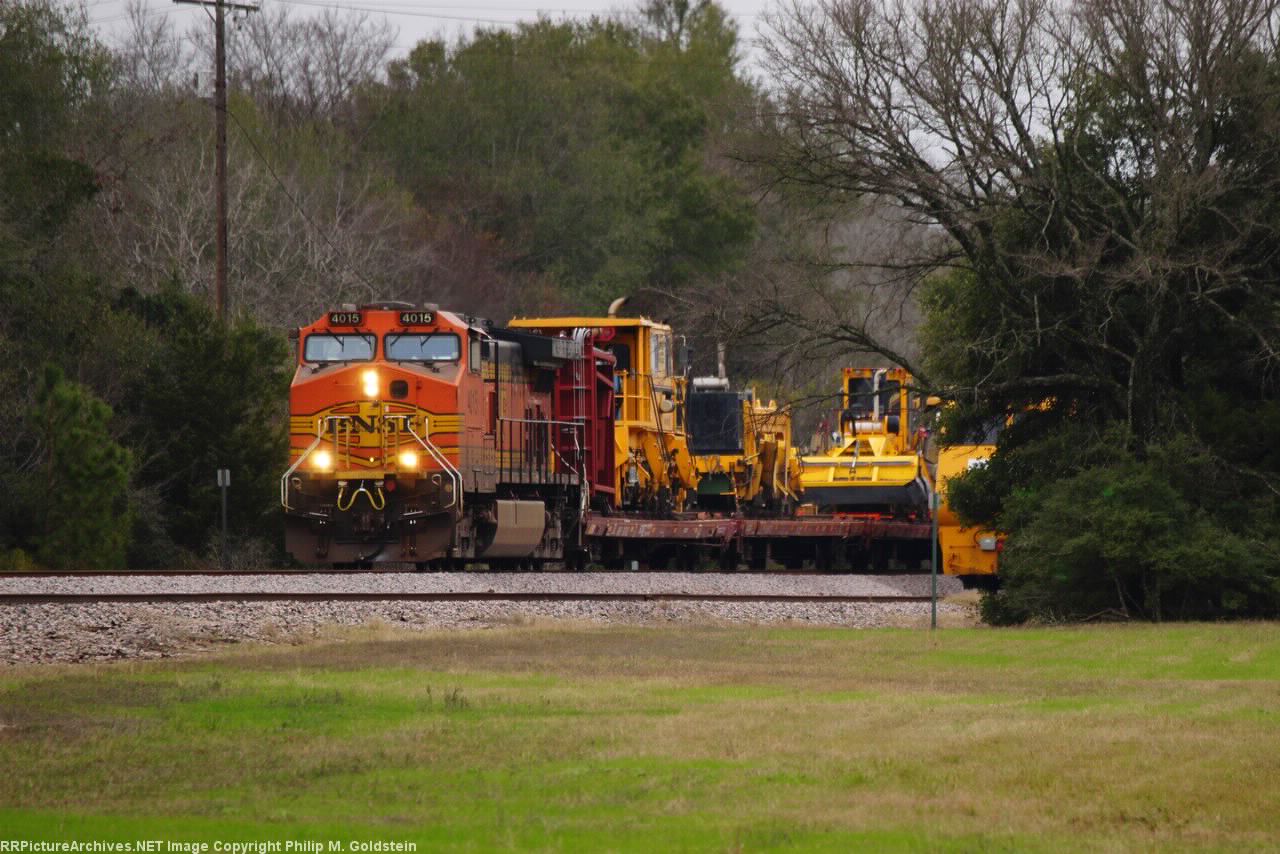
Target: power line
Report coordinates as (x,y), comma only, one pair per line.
(471,7)
(381,10)
(408,10)
(115,17)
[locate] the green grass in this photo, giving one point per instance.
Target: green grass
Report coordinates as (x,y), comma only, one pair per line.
(572,738)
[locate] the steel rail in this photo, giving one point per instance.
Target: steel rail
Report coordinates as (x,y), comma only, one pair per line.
(305,573)
(485,596)
(201,573)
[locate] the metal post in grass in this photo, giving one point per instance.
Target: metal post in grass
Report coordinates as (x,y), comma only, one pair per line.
(933,562)
(224,481)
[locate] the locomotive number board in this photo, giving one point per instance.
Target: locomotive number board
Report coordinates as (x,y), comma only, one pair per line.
(344,318)
(417,318)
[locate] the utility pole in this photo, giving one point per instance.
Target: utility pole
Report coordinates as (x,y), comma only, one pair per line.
(220,136)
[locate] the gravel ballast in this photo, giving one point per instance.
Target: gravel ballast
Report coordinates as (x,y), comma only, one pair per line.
(408,583)
(54,632)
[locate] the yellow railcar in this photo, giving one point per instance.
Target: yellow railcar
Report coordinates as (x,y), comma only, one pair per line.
(654,468)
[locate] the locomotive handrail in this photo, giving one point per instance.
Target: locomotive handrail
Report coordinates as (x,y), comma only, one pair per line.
(575,426)
(376,503)
(320,428)
(455,476)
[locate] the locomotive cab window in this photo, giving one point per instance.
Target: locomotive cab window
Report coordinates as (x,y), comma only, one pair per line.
(423,347)
(328,347)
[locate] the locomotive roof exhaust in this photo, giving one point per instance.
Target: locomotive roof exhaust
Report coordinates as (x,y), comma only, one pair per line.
(616,305)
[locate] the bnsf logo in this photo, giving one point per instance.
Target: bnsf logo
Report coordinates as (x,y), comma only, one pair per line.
(378,424)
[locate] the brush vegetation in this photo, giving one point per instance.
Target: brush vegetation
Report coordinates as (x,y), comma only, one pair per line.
(572,738)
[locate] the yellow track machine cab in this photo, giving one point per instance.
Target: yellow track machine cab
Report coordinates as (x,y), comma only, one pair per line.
(741,449)
(654,470)
(875,465)
(970,553)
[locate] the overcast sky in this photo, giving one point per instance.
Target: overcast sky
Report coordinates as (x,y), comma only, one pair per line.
(422,20)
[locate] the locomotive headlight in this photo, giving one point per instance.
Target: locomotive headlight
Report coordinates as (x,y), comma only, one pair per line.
(408,459)
(322,460)
(370,381)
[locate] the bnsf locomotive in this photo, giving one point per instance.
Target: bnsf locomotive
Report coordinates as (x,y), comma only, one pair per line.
(419,435)
(424,436)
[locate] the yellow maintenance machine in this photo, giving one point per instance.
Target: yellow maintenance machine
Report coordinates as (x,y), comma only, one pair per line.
(654,468)
(970,553)
(875,466)
(742,449)
(881,465)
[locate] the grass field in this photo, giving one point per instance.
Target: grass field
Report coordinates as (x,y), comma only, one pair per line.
(576,738)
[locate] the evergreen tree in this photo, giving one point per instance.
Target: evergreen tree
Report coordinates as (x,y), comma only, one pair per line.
(210,396)
(583,148)
(82,486)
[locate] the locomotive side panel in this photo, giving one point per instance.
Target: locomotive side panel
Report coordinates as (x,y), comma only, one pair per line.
(476,411)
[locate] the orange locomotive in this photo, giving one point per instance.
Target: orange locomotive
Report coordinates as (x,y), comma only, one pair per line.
(418,435)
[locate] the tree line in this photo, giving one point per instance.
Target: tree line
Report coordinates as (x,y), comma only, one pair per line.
(552,166)
(1060,217)
(1100,178)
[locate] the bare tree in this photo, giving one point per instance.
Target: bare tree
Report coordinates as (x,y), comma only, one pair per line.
(307,231)
(300,241)
(1095,165)
(153,57)
(816,294)
(306,68)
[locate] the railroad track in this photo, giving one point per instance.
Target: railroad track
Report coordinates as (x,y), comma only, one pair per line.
(93,616)
(305,573)
(612,587)
(201,573)
(487,596)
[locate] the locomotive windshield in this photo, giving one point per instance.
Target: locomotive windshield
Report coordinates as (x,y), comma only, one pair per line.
(423,348)
(327,347)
